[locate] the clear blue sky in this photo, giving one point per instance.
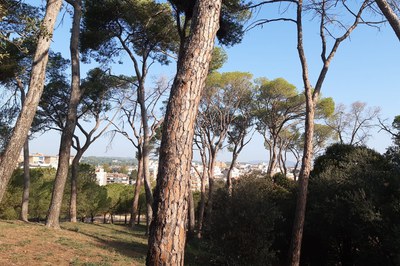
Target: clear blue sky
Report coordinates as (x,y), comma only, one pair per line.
(366,68)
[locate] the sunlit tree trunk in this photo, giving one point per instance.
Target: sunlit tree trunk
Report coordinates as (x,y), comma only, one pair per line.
(27,182)
(168,229)
(12,151)
(136,194)
(74,189)
(70,124)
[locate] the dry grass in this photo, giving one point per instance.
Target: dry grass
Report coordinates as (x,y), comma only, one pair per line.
(76,244)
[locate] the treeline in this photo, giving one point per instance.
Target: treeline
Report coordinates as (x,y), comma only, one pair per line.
(352,214)
(103,202)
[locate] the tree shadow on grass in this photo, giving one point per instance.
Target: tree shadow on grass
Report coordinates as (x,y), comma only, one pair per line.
(129,248)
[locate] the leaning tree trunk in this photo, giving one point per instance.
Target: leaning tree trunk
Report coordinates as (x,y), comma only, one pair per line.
(68,132)
(27,183)
(38,72)
(390,15)
(135,203)
(168,229)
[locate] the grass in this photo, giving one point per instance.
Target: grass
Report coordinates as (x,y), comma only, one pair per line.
(76,244)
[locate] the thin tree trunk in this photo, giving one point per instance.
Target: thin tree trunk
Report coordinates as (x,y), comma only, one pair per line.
(139,213)
(167,231)
(390,15)
(12,151)
(147,188)
(192,218)
(68,132)
(202,207)
(136,194)
(272,163)
(146,151)
(74,190)
(213,159)
(229,175)
(298,224)
(27,182)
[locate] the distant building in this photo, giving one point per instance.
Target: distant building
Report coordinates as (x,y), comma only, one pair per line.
(37,160)
(101,176)
(117,178)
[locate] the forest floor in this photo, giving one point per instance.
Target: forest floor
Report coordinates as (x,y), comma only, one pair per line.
(75,244)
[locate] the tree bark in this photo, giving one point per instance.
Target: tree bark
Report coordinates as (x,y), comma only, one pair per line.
(135,203)
(27,183)
(202,207)
(167,231)
(10,156)
(229,184)
(390,15)
(211,180)
(74,189)
(298,224)
(192,218)
(68,132)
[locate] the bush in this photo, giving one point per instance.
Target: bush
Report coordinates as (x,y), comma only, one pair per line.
(243,228)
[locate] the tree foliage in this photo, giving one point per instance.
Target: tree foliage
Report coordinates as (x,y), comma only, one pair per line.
(353,205)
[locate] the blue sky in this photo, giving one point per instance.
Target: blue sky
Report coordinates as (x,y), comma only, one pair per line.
(366,68)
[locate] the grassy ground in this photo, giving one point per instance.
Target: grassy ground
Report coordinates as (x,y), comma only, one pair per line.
(76,244)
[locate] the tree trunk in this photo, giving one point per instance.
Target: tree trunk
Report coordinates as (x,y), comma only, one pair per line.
(390,15)
(136,194)
(202,207)
(74,181)
(229,175)
(272,162)
(213,158)
(12,151)
(147,188)
(298,224)
(139,213)
(167,231)
(146,152)
(27,182)
(192,218)
(68,132)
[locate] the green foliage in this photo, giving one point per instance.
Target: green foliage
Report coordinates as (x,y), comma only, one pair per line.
(40,193)
(145,26)
(354,196)
(233,15)
(218,59)
(92,199)
(120,198)
(19,22)
(243,227)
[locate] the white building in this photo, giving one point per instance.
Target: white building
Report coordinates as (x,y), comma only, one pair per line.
(101,176)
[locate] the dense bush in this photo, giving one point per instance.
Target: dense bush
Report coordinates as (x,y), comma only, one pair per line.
(353,209)
(243,228)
